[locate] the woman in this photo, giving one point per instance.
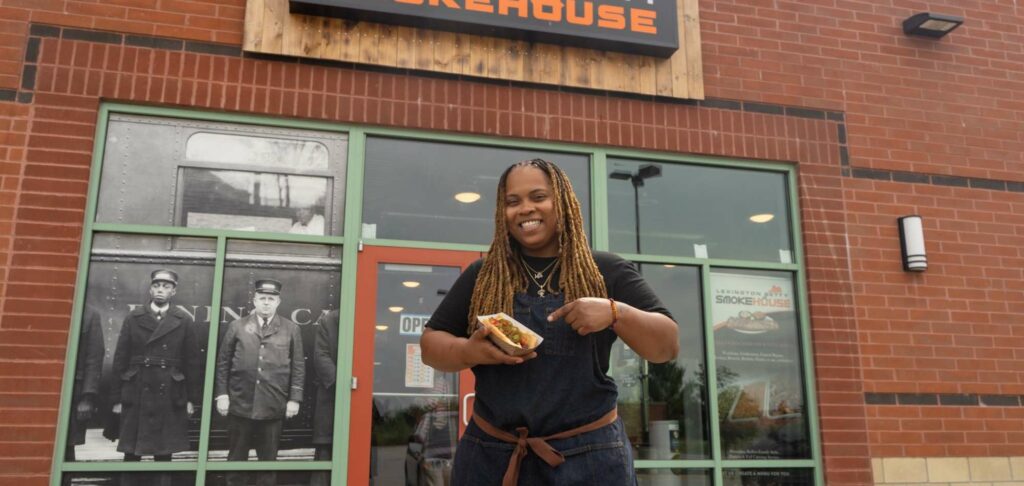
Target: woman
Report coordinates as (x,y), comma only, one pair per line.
(541,271)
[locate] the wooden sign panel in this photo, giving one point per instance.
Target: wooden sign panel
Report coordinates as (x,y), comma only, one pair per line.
(271,29)
(649,28)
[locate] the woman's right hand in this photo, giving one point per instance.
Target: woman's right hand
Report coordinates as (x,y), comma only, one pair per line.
(478,349)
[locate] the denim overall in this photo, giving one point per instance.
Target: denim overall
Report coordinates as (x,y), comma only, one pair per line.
(562,388)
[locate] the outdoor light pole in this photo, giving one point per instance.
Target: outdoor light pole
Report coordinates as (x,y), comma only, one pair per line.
(646,171)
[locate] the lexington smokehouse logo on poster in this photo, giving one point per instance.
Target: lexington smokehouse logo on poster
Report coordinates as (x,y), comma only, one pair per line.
(634,26)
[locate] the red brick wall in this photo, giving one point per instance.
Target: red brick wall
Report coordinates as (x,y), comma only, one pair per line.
(201,20)
(951,331)
(947,107)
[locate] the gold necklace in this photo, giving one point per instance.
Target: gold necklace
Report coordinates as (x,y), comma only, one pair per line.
(537,273)
(547,282)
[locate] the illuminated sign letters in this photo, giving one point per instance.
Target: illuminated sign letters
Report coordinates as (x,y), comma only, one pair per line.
(647,27)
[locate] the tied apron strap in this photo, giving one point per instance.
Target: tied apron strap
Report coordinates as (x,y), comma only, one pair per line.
(538,445)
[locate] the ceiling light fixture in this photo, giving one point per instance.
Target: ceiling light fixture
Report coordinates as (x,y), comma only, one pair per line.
(396,308)
(762,218)
(467,197)
(411,284)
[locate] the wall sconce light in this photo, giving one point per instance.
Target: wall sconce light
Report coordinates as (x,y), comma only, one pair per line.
(912,243)
(931,24)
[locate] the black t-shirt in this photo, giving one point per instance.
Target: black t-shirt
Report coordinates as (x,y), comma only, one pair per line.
(621,278)
(624,284)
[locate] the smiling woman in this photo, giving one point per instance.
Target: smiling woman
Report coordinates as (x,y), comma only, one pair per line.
(586,302)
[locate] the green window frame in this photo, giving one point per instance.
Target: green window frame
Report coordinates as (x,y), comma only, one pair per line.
(350,242)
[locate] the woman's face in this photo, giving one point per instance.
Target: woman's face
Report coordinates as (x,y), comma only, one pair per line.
(530,211)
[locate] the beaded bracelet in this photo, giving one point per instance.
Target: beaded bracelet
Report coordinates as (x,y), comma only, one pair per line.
(615,314)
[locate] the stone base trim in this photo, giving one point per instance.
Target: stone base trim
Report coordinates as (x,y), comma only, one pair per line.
(974,471)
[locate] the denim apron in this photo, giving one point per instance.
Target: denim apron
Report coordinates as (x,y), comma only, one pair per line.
(562,388)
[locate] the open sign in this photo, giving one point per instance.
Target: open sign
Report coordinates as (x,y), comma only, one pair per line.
(412,324)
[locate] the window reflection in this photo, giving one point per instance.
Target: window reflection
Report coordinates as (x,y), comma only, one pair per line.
(697,211)
(275,478)
(432,191)
(670,420)
(130,478)
(673,477)
(415,408)
(249,150)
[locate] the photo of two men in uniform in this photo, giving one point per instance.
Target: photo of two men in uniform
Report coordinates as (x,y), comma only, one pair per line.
(157,380)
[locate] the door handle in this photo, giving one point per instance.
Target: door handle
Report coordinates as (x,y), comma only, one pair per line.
(465,407)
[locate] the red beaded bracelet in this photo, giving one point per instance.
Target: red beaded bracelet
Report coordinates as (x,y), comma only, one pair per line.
(615,314)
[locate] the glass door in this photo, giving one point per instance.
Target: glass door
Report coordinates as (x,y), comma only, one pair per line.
(406,416)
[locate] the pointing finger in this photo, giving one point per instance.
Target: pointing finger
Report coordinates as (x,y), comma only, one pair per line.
(561,311)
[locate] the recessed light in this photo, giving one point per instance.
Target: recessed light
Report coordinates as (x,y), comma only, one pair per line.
(411,284)
(762,218)
(669,265)
(396,308)
(467,197)
(382,327)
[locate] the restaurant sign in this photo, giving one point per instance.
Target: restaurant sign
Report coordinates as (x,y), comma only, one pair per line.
(648,27)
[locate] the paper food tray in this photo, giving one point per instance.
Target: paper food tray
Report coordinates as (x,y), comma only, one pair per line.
(509,349)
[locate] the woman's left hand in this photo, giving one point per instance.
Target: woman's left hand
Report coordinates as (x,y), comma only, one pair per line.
(585,315)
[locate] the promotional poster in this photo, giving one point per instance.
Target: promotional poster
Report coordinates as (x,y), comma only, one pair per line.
(757,350)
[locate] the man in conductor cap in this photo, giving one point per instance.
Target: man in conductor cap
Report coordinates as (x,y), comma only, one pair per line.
(260,375)
(157,371)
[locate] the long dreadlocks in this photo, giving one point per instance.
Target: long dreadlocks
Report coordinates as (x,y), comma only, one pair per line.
(501,277)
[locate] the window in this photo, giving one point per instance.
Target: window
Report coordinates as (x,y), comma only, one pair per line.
(698,211)
(442,192)
(196,224)
(196,219)
(173,172)
(717,245)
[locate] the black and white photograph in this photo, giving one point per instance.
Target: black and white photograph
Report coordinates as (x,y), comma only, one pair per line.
(140,361)
(162,171)
(276,361)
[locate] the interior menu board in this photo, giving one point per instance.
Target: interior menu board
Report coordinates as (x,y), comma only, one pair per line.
(757,351)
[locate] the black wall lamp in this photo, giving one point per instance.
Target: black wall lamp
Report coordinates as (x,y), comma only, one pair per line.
(929,24)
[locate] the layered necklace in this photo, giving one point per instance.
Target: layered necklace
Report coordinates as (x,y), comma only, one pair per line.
(543,287)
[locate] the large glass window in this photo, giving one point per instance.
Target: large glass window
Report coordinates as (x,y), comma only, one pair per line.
(697,211)
(431,191)
(171,172)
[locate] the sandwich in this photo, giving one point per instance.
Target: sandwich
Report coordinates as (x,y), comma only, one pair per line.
(508,332)
(511,336)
